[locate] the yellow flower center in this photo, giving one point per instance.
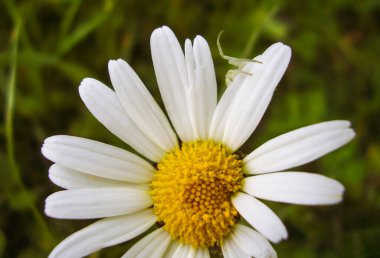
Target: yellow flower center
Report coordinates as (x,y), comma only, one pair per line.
(191,192)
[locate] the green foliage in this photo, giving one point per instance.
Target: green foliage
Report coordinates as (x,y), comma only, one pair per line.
(53,45)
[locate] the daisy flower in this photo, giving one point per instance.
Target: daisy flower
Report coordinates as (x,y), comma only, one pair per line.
(188,186)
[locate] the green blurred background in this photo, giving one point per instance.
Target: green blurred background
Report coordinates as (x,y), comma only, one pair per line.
(48,47)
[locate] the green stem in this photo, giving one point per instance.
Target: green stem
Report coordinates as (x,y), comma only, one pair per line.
(270,9)
(15,177)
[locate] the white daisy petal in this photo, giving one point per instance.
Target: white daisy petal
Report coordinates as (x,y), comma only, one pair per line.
(104,104)
(88,203)
(170,68)
(190,252)
(202,253)
(298,147)
(231,250)
(104,233)
(300,134)
(96,158)
(294,187)
(153,245)
(176,249)
(202,86)
(260,217)
(171,249)
(139,104)
(226,250)
(187,82)
(180,251)
(186,251)
(73,179)
(199,252)
(252,243)
(247,97)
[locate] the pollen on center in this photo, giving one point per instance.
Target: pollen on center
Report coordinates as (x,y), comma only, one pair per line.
(191,192)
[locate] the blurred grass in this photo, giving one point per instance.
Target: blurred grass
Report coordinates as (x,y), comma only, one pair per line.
(53,45)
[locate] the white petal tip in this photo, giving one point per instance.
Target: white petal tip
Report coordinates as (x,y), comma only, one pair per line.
(351,134)
(280,238)
(111,64)
(161,31)
(85,85)
(50,139)
(48,210)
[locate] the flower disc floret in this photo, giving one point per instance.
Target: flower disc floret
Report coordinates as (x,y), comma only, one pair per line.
(191,192)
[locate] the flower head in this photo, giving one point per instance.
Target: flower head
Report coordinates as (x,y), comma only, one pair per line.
(191,187)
